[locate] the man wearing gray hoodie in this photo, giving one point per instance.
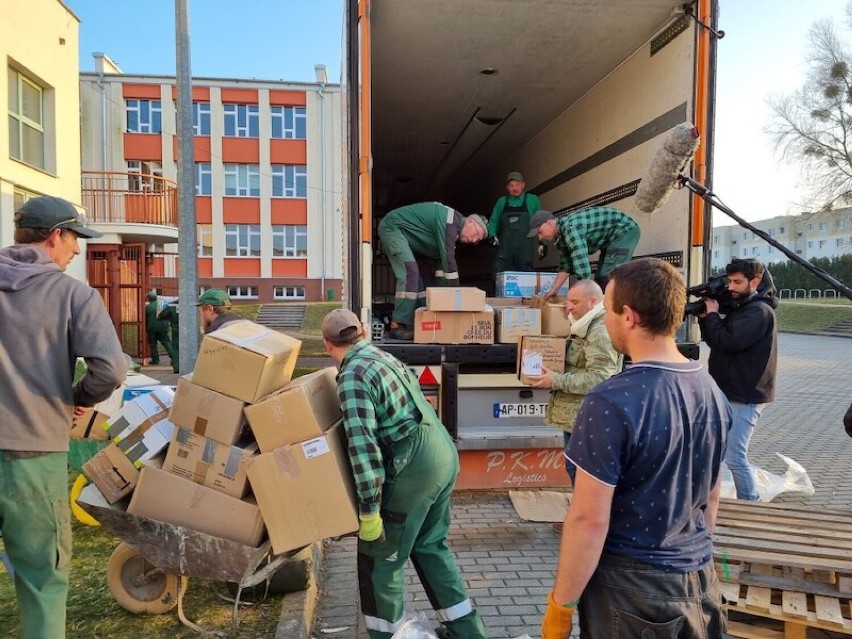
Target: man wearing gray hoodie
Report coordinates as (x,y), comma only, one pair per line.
(49,319)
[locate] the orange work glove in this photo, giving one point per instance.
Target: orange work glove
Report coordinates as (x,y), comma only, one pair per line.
(557,622)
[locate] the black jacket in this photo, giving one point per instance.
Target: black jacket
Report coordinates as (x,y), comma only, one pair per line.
(744,350)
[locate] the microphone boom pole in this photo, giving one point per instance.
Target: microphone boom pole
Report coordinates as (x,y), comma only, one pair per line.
(712,199)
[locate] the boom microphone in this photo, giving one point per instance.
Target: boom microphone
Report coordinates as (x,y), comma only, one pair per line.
(671,158)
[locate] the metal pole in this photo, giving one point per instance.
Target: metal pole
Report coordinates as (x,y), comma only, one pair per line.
(187,251)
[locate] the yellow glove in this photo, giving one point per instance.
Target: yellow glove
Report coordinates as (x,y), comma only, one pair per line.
(371,527)
(557,622)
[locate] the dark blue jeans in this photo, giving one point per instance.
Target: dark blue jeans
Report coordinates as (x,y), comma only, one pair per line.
(570,468)
(628,599)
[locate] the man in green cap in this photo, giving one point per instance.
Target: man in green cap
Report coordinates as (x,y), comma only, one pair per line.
(420,242)
(509,224)
(158,331)
(214,306)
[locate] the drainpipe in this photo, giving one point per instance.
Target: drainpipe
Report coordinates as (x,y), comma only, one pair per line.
(322,78)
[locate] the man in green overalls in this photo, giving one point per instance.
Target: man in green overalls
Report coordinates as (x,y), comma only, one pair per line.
(420,242)
(170,315)
(157,331)
(405,466)
(509,224)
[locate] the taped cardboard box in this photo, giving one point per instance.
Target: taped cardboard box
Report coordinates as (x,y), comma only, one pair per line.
(537,351)
(516,321)
(90,426)
(162,496)
(210,463)
(453,327)
(305,408)
(553,320)
(141,428)
(305,491)
(246,361)
(526,284)
(113,472)
(458,298)
(207,412)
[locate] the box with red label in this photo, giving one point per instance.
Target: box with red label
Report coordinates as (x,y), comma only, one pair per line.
(453,327)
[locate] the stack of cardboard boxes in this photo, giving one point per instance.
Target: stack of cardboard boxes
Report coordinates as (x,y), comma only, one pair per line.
(454,316)
(238,451)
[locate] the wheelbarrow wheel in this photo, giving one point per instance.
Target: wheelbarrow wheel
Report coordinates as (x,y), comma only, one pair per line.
(137,585)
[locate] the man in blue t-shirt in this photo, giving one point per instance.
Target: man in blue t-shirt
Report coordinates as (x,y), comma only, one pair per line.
(636,550)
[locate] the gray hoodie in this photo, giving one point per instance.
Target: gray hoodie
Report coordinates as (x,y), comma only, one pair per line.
(47,320)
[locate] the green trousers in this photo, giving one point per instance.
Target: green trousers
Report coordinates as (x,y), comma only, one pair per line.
(35,519)
(410,293)
(420,473)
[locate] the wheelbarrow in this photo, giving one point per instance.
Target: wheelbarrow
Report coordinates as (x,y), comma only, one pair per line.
(149,571)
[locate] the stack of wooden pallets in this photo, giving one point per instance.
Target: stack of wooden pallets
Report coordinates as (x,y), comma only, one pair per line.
(791,564)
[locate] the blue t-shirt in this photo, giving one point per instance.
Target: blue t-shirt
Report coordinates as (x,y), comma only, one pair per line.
(656,432)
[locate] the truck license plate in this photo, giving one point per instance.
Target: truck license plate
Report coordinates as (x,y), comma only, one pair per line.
(502,411)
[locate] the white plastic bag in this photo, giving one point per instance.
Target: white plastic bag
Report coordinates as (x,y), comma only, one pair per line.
(769,485)
(415,626)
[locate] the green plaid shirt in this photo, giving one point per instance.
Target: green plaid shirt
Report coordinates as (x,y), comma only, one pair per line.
(377,411)
(585,232)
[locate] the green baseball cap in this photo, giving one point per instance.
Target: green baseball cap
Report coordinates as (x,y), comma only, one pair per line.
(214,297)
(514,175)
(48,212)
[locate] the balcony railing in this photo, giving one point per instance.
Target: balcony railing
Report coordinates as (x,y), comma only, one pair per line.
(129,198)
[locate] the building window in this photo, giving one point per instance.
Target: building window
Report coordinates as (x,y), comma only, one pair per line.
(289,180)
(203,178)
(289,241)
(839,242)
(733,242)
(745,252)
(755,250)
(822,243)
(823,226)
(716,255)
(144,177)
(200,118)
(798,234)
(242,292)
(205,240)
(288,292)
(810,227)
(289,122)
(144,116)
(781,230)
(242,240)
(241,120)
(810,243)
(242,180)
(841,224)
(771,232)
(26,120)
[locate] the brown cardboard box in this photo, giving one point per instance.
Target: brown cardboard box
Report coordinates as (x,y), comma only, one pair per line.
(304,408)
(535,351)
(90,426)
(206,412)
(210,463)
(305,491)
(516,321)
(246,361)
(453,327)
(141,428)
(553,320)
(166,497)
(458,298)
(112,472)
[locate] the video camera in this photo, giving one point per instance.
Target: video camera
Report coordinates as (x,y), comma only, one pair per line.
(716,288)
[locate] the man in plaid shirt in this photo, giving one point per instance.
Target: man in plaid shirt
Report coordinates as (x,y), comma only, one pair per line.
(405,466)
(579,234)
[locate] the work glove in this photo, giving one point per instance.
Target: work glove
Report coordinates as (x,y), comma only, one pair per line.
(557,622)
(371,527)
(542,250)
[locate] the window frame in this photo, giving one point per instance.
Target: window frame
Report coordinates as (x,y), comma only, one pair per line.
(153,111)
(286,241)
(200,174)
(242,236)
(233,113)
(298,127)
(242,292)
(298,175)
(202,232)
(242,174)
(23,121)
(144,171)
(200,117)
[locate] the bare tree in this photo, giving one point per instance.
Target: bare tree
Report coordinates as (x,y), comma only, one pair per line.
(812,127)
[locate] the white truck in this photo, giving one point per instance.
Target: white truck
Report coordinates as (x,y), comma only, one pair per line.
(445,97)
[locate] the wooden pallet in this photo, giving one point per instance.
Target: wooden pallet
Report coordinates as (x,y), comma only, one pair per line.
(784,547)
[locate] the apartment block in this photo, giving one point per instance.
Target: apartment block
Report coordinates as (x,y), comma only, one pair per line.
(268,179)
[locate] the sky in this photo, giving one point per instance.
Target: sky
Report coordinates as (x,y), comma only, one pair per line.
(762,54)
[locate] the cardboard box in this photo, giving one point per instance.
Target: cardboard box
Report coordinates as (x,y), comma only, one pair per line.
(112,472)
(516,321)
(246,361)
(305,491)
(305,408)
(459,298)
(141,428)
(162,496)
(90,426)
(209,463)
(453,327)
(553,320)
(526,284)
(535,351)
(206,412)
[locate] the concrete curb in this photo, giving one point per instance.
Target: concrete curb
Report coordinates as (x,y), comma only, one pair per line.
(297,608)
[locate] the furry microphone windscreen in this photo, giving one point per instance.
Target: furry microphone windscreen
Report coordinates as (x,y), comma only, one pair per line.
(671,158)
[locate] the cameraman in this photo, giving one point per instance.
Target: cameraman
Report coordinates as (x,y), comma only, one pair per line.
(743,359)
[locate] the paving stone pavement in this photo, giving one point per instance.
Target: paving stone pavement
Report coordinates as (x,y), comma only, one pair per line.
(508,564)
